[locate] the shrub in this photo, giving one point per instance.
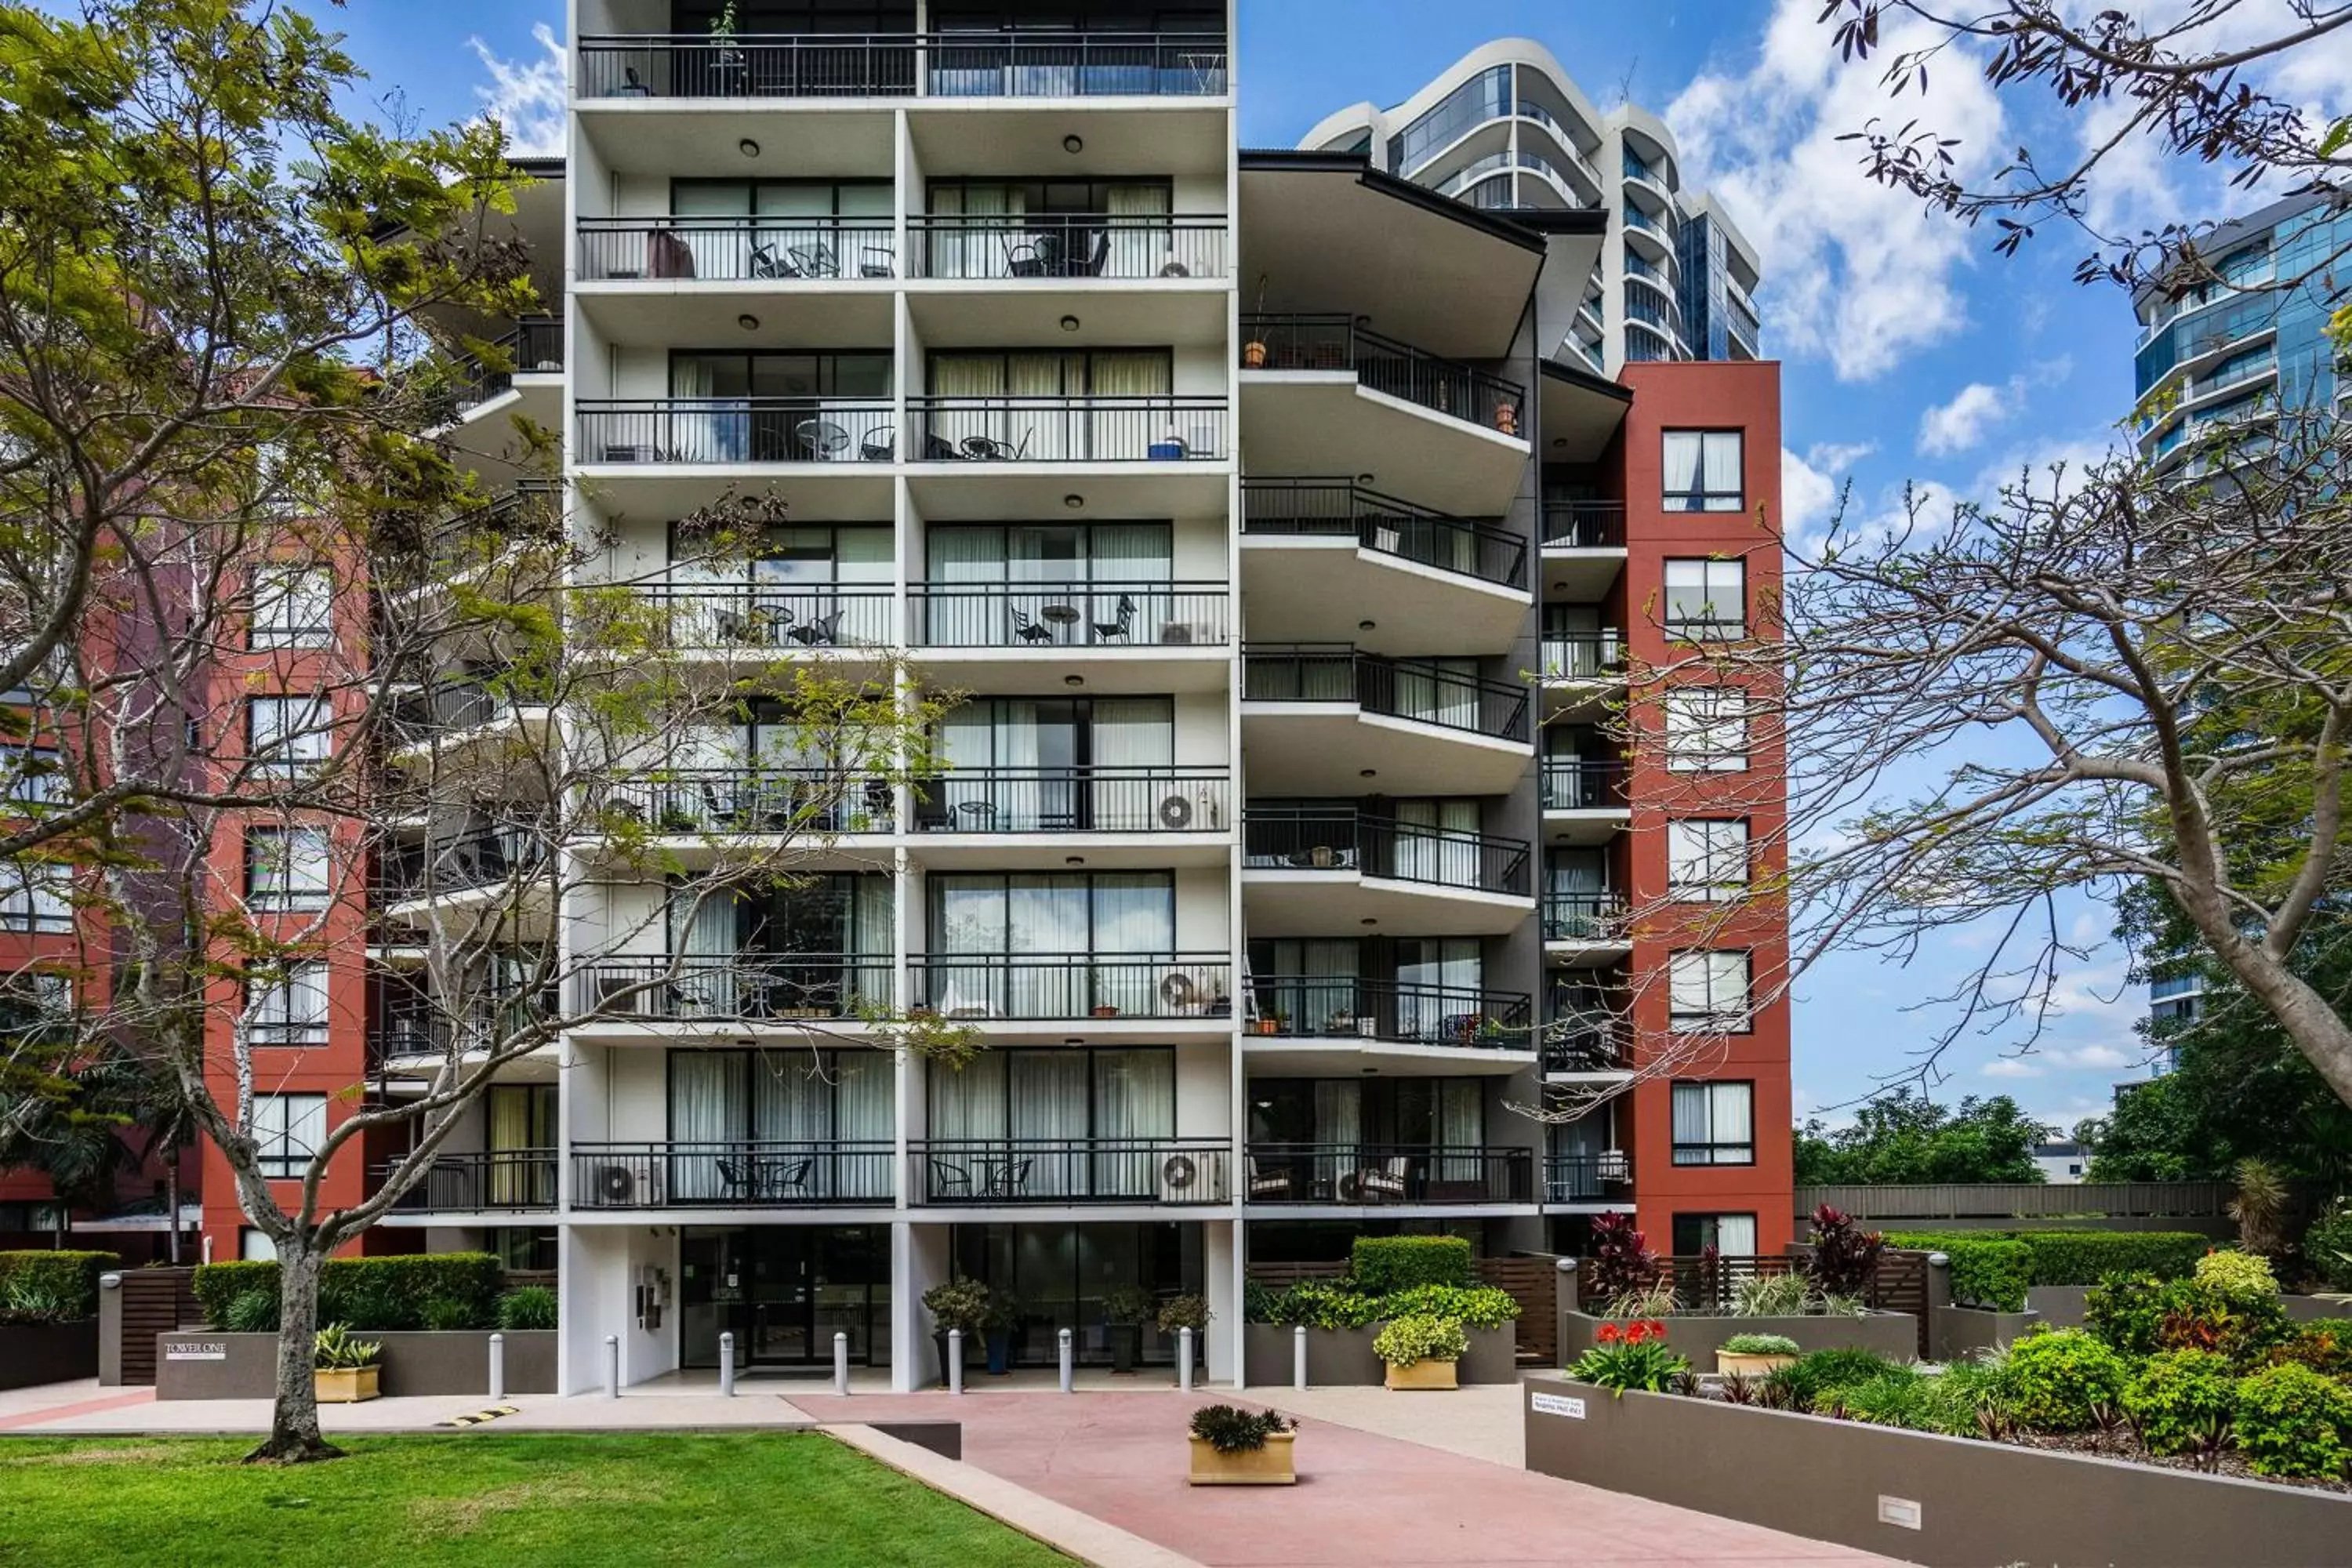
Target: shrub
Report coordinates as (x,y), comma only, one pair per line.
(1421,1336)
(2324,1345)
(958,1305)
(2179,1401)
(1230,1429)
(2328,1245)
(1845,1256)
(2070,1256)
(67,1281)
(1379,1265)
(1970,1398)
(335,1350)
(1622,1260)
(1988,1271)
(443,1315)
(1261,1304)
(1897,1396)
(1635,1355)
(527,1308)
(371,1294)
(2237,1277)
(1759,1344)
(2294,1422)
(1185,1312)
(1128,1305)
(25,1303)
(252,1312)
(2127,1311)
(1657,1300)
(2058,1378)
(1772,1296)
(1478,1307)
(1326,1304)
(1805,1380)
(2199,1318)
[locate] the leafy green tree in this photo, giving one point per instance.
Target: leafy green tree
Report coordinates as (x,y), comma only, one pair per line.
(1905,1138)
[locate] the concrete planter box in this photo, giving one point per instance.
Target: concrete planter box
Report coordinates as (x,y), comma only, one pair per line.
(1270,1465)
(1422,1376)
(1956,1332)
(34,1353)
(1918,1496)
(347,1385)
(1895,1335)
(201,1365)
(2066,1306)
(2309,1308)
(1343,1358)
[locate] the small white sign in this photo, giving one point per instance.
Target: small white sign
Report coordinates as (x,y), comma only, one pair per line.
(1566,1404)
(1900,1511)
(197,1350)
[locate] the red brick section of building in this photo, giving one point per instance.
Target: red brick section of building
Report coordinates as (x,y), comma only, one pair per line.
(1720,396)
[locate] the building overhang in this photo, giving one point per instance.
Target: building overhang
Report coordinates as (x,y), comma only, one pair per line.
(1579,413)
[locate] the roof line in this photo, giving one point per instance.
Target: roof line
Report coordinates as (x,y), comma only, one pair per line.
(1587,380)
(1299,160)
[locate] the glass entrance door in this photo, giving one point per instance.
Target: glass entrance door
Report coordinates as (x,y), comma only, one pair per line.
(782,1291)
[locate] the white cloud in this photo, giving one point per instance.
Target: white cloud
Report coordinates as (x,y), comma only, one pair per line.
(2010,1067)
(2101,1058)
(1807,496)
(526,96)
(1957,425)
(1833,457)
(1854,273)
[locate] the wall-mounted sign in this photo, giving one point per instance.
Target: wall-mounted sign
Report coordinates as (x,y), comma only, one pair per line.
(1566,1404)
(196,1350)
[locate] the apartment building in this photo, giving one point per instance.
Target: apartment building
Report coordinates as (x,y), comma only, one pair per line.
(1507,127)
(1286,576)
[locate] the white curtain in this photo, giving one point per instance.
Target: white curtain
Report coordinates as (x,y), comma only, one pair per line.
(1129,561)
(708,431)
(1135,1104)
(1135,922)
(863,1093)
(1045,917)
(979,249)
(1735,1234)
(707,937)
(1724,483)
(1461,1124)
(1424,854)
(1126,431)
(1049,1108)
(968,1105)
(1043,431)
(1338,1113)
(970,376)
(1130,733)
(718,248)
(1682,460)
(706,1108)
(959,558)
(1137,247)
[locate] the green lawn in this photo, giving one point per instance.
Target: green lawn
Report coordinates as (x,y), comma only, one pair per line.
(507,1500)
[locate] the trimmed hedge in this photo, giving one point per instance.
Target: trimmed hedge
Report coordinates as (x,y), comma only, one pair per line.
(2054,1257)
(70,1277)
(1381,1264)
(373,1295)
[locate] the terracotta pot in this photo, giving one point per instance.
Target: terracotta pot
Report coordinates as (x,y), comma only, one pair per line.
(1422,1375)
(1506,419)
(1105,1013)
(346,1385)
(1252,356)
(1268,1467)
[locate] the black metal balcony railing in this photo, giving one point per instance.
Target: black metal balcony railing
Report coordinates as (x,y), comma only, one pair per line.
(757,800)
(461,863)
(737,987)
(529,508)
(1304,838)
(1343,1006)
(1063,615)
(534,345)
(1580,783)
(1385,524)
(991,1171)
(1073,800)
(1383,364)
(738,430)
(1577,1044)
(1396,688)
(737,249)
(1586,1178)
(1583,656)
(708,616)
(1388,1174)
(1159,427)
(1068,246)
(978,986)
(409,1031)
(1027,63)
(1584,525)
(479,1184)
(732,1174)
(1583,917)
(445,708)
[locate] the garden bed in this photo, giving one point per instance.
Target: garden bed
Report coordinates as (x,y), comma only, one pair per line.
(204,1364)
(1698,1335)
(34,1353)
(1956,1332)
(1343,1358)
(1920,1496)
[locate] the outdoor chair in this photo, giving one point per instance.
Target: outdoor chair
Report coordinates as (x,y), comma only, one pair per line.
(825,629)
(1107,631)
(949,1180)
(1028,630)
(1385,1180)
(878,445)
(1008,1180)
(814,261)
(1267,1184)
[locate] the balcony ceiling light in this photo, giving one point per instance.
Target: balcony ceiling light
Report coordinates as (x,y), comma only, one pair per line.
(1074,500)
(1069,323)
(1560,441)
(1368,921)
(1074,680)
(1369,773)
(1073,144)
(748,148)
(1074,860)
(1366,625)
(748,321)
(1363,478)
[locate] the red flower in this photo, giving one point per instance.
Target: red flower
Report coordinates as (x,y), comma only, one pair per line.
(1608,1333)
(1635,1332)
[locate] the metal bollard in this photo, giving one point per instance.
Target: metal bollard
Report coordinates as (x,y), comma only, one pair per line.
(612,1366)
(727,1365)
(1299,1356)
(1184,1360)
(955,1361)
(1069,1371)
(498,1369)
(841,1363)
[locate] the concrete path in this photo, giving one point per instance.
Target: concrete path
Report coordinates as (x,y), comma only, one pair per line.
(1363,1499)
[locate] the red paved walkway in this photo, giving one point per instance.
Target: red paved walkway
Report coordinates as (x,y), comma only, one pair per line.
(1361,1499)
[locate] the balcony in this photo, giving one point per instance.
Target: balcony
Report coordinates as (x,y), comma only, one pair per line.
(1383,364)
(532,348)
(779,801)
(502,1180)
(731,432)
(1053,1173)
(1066,616)
(1583,799)
(529,509)
(1062,248)
(1155,428)
(742,988)
(1570,525)
(1388,1174)
(1585,1045)
(1315,717)
(1307,871)
(745,1173)
(1158,801)
(762,619)
(1152,990)
(1585,928)
(485,862)
(1029,63)
(736,249)
(1320,555)
(1574,656)
(1301,1022)
(1603,1178)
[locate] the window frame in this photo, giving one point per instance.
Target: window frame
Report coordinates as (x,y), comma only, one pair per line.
(1719,1017)
(276,1121)
(305,737)
(291,898)
(276,583)
(1713,625)
(308,976)
(1713,1150)
(1715,887)
(1703,499)
(37,899)
(1701,1219)
(1698,756)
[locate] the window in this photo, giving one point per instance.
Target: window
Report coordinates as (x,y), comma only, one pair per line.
(287,734)
(1707,599)
(1707,859)
(286,867)
(35,897)
(31,775)
(290,1009)
(1703,470)
(1715,1123)
(293,605)
(1706,730)
(1731,1235)
(287,1129)
(253,1246)
(1709,992)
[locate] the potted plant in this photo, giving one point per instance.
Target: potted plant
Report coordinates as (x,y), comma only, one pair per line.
(1506,419)
(1236,1448)
(1253,351)
(1180,1312)
(961,1305)
(1271,1023)
(1752,1356)
(1125,1308)
(344,1371)
(1102,1010)
(1420,1349)
(1000,1321)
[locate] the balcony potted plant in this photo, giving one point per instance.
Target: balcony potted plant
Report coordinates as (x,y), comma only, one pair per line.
(1002,1321)
(1271,1023)
(1420,1349)
(961,1305)
(1125,1308)
(1253,351)
(344,1371)
(1236,1448)
(1753,1355)
(1181,1312)
(1506,419)
(1102,1010)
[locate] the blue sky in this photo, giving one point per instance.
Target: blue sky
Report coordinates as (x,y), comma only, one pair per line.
(1911,352)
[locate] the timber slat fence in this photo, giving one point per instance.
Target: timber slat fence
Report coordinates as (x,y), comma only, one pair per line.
(2024,1200)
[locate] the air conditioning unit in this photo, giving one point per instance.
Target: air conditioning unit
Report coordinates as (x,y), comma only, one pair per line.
(1195,1177)
(615,1184)
(1175,812)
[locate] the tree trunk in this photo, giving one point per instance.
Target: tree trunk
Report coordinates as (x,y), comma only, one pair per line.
(2317,1028)
(172,1232)
(294,1436)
